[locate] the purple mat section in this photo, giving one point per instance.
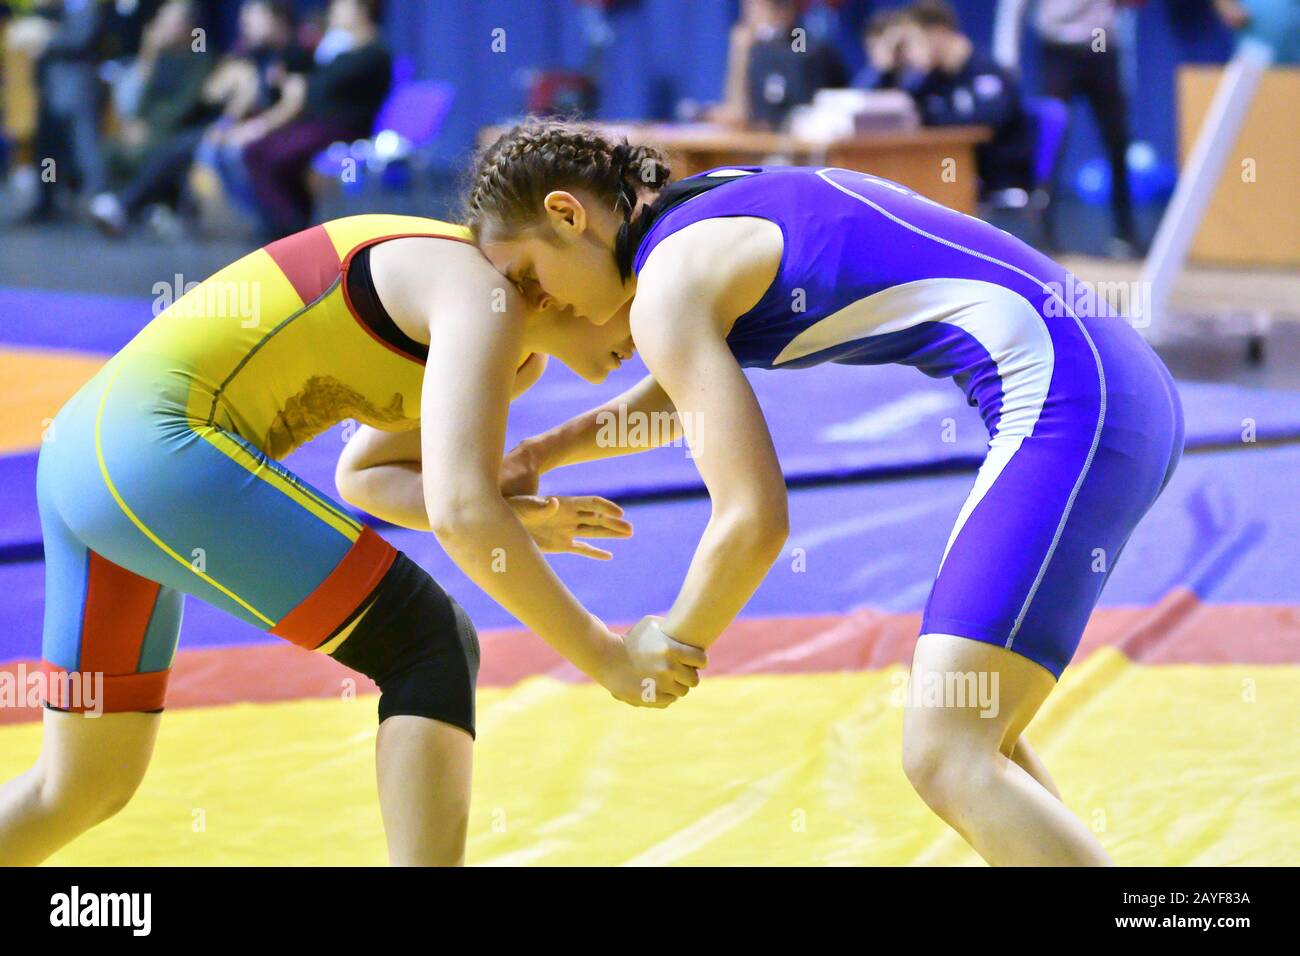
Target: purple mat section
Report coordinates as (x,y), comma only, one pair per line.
(70,320)
(836,423)
(1217,530)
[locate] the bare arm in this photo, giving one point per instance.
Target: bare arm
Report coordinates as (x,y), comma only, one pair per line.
(473,356)
(381,471)
(593,435)
(678,321)
(233,87)
(293,97)
(734,108)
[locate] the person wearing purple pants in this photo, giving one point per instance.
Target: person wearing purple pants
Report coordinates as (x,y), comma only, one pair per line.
(344,93)
(788,267)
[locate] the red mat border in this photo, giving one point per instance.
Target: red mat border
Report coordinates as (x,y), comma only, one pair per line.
(1179,630)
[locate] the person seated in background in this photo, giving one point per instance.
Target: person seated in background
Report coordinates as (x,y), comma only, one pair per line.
(771,69)
(964,85)
(352,74)
(161,93)
(258,88)
(884,69)
(266,88)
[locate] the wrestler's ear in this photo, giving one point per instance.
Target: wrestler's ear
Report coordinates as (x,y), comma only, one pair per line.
(565,213)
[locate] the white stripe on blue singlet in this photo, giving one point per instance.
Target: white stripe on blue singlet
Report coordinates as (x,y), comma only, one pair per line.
(1048,290)
(1006,326)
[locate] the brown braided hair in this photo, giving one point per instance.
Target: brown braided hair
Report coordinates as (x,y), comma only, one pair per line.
(511,177)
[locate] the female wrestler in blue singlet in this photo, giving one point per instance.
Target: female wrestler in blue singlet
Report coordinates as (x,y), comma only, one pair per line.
(775,267)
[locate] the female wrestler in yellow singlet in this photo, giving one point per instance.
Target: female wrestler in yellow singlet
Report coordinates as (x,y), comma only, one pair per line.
(160,478)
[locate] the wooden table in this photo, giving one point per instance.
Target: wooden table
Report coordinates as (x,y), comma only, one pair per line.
(937,162)
(1254,217)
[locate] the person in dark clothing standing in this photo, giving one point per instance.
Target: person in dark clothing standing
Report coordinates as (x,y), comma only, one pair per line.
(1080,58)
(963,85)
(344,93)
(64,38)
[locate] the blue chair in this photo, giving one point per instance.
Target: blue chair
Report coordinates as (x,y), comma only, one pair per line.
(408,123)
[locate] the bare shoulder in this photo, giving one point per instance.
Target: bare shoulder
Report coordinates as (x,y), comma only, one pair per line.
(418,277)
(432,264)
(723,265)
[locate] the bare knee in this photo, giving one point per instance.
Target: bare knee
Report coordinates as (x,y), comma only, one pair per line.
(80,800)
(944,767)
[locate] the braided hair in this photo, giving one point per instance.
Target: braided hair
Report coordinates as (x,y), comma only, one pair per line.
(512,177)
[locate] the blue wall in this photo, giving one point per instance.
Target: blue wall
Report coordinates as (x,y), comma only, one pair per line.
(661,51)
(666,50)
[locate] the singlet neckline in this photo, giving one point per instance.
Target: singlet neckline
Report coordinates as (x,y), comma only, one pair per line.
(632,234)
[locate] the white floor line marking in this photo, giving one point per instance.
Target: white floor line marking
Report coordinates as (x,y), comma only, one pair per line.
(713,825)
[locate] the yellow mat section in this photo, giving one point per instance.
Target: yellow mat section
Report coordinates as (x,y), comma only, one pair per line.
(1169,765)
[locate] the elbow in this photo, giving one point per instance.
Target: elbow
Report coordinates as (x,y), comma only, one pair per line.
(349,483)
(451,523)
(760,531)
(457,520)
(773,536)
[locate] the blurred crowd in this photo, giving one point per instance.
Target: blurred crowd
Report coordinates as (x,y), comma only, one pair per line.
(922,50)
(123,112)
(136,117)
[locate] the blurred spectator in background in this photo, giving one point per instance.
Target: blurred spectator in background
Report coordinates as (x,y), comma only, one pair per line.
(161,94)
(343,94)
(260,86)
(63,38)
(1232,13)
(1276,22)
(771,68)
(267,87)
(1080,59)
(884,69)
(963,85)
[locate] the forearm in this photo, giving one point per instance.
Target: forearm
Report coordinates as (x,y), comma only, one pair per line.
(637,420)
(392,492)
(492,547)
(733,557)
(736,87)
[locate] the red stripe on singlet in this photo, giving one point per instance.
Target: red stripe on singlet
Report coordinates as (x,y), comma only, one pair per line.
(344,590)
(308,260)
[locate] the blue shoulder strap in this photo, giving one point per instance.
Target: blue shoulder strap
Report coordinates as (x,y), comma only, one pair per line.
(633,231)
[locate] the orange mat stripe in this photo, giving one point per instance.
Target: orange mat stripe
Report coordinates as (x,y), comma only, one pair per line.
(37,384)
